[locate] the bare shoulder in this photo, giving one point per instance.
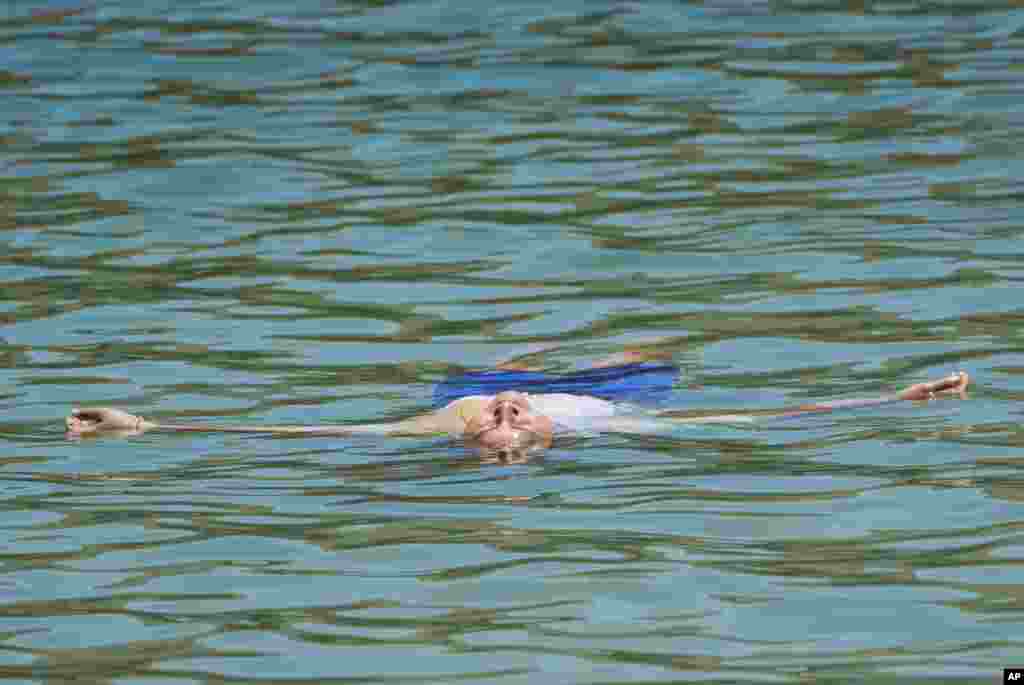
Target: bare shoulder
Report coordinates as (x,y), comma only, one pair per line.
(450,419)
(463,410)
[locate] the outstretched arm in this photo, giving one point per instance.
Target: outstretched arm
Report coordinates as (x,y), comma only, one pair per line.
(954,384)
(107,421)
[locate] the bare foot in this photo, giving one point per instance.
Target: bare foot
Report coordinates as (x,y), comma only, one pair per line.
(955,384)
(104,420)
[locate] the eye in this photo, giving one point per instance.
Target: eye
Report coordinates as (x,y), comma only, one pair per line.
(497,415)
(515,411)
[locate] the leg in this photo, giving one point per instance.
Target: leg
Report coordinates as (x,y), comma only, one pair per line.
(631,354)
(634,355)
(525,362)
(637,353)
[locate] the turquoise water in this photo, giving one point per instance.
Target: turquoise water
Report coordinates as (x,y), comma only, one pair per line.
(266,213)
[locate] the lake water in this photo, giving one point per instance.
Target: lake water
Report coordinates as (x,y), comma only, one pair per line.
(266,212)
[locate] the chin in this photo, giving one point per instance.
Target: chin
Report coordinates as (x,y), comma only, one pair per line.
(516,455)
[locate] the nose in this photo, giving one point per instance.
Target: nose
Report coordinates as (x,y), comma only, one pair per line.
(505,413)
(502,436)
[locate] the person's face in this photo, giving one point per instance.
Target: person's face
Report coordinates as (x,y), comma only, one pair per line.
(508,423)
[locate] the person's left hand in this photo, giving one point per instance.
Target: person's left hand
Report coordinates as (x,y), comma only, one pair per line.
(94,420)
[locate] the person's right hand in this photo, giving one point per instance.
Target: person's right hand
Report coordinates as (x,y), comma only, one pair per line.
(104,420)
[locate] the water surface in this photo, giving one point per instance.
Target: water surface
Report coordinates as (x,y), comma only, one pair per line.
(252,212)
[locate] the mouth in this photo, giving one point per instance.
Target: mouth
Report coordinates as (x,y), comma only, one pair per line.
(505,436)
(514,435)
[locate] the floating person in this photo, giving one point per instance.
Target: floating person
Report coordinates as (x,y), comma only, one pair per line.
(511,412)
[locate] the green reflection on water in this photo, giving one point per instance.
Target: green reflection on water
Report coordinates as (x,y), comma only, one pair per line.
(315,213)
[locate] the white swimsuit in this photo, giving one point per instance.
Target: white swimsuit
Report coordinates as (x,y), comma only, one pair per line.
(574,413)
(589,415)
